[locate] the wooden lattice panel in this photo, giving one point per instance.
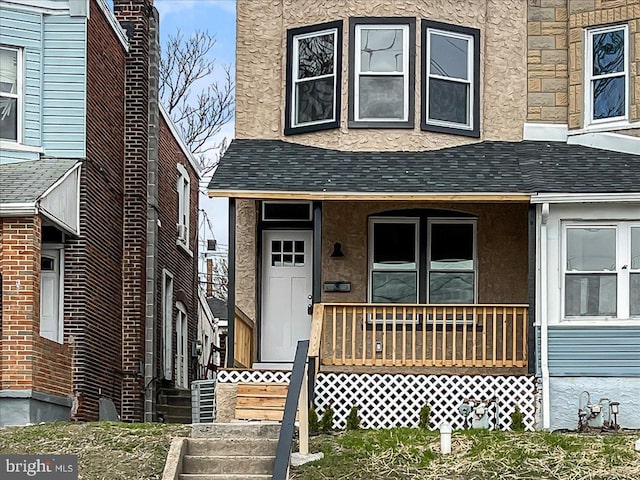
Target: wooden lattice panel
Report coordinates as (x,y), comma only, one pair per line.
(386,401)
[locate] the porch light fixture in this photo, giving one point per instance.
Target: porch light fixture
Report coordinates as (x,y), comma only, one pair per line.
(337,251)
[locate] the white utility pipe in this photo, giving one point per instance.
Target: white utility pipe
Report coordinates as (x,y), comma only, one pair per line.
(445,439)
(544,320)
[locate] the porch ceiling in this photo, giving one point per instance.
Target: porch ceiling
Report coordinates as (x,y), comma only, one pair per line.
(484,171)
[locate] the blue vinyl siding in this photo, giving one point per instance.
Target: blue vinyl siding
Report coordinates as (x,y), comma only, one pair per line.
(24,30)
(12,156)
(594,351)
(64,87)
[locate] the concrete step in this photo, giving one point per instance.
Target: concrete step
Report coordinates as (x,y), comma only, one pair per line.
(222,476)
(240,464)
(231,446)
(236,430)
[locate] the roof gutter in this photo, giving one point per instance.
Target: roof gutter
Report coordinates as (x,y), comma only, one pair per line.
(543,198)
(376,196)
(18,209)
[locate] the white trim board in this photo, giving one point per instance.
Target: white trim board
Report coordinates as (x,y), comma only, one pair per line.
(585,197)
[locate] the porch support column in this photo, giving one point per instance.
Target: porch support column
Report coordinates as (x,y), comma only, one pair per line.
(317,287)
(231,288)
(317,252)
(531,329)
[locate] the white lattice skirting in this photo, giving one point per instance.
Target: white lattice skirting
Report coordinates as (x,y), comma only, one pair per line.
(395,400)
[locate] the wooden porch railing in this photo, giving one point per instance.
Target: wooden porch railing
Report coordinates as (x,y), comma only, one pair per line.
(243,340)
(348,334)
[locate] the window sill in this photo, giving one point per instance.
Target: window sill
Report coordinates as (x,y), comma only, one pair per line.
(598,322)
(312,128)
(430,127)
(19,147)
(385,124)
(180,243)
(605,127)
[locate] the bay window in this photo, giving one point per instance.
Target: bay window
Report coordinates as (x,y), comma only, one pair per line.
(382,72)
(450,79)
(314,57)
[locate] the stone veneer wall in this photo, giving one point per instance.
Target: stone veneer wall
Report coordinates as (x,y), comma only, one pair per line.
(556,55)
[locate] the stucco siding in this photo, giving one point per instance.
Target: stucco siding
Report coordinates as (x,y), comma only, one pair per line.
(64,86)
(261,54)
(501,243)
(602,351)
(246,254)
(24,30)
(565,396)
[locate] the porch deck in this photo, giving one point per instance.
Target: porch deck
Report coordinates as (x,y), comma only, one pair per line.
(357,337)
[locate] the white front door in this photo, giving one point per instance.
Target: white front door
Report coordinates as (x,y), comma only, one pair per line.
(286,287)
(50,314)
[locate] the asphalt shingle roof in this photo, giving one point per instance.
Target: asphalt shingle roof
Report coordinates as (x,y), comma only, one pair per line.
(25,182)
(485,167)
(218,308)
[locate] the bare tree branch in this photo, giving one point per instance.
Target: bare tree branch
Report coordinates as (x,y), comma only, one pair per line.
(196,103)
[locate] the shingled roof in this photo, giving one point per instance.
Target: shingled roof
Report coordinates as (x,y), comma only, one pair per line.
(25,182)
(485,167)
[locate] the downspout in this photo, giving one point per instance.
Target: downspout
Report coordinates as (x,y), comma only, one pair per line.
(544,321)
(151,310)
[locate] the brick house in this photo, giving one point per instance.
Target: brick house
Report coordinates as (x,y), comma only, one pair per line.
(395,169)
(99,216)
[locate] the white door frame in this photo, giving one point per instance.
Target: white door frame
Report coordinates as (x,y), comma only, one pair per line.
(182,365)
(55,329)
(299,327)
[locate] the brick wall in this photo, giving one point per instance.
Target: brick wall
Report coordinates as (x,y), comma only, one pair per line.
(20,264)
(556,35)
(27,361)
(93,266)
(136,15)
(175,259)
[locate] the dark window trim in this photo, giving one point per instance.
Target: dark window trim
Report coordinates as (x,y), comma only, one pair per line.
(475,107)
(423,215)
(411,22)
(291,33)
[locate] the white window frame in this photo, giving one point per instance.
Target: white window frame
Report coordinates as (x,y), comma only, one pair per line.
(590,78)
(358,73)
(469,82)
(474,270)
(19,96)
(182,348)
(183,188)
(55,252)
(167,323)
(406,220)
(622,270)
(296,80)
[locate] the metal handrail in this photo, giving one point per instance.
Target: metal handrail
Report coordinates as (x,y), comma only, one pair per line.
(283,452)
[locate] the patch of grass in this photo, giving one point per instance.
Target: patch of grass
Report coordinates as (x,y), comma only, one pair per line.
(106,450)
(477,455)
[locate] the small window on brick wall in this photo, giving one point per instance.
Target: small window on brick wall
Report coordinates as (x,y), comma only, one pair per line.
(184,201)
